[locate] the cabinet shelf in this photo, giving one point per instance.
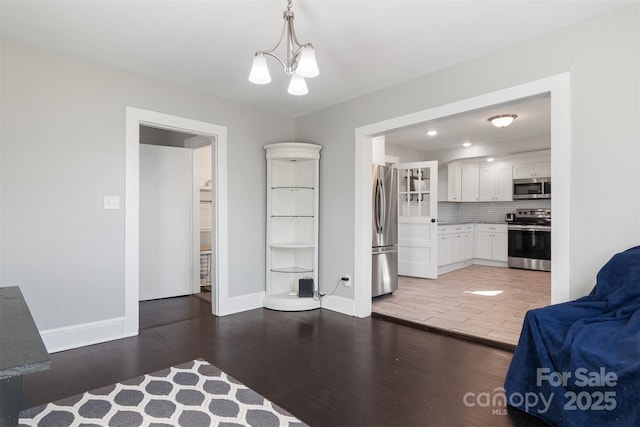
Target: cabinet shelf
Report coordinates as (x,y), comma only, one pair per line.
(291,216)
(292,270)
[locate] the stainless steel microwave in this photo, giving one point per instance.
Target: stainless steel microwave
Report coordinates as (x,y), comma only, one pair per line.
(532,188)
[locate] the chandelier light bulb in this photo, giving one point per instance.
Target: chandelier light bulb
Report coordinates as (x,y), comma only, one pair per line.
(297,85)
(259,71)
(307,65)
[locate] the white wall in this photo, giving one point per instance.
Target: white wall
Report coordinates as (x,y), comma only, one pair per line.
(602,55)
(405,154)
(63,149)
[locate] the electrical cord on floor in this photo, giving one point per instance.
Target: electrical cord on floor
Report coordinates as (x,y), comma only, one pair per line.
(318,296)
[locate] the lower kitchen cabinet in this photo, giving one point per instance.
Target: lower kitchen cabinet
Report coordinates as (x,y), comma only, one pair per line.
(491,244)
(455,247)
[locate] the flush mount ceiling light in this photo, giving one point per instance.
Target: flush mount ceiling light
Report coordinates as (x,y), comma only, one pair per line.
(502,120)
(432,132)
(300,62)
(490,159)
(466,144)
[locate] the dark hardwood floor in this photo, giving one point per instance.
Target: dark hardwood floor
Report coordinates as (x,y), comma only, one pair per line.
(325,368)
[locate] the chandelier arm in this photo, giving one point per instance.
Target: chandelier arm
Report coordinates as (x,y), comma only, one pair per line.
(284,66)
(295,38)
(296,55)
(284,29)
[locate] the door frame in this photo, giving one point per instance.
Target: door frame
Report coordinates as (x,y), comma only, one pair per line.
(134,118)
(558,87)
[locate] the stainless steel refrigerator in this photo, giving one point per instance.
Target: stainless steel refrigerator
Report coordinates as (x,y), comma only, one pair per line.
(384,242)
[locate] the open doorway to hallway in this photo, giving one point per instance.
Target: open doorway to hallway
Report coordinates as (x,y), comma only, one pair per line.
(176,215)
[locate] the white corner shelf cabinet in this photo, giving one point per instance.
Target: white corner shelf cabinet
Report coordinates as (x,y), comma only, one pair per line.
(292,224)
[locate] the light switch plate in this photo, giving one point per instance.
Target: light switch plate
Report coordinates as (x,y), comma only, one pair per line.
(111,202)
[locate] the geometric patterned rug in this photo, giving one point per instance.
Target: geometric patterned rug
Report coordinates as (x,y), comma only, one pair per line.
(193,394)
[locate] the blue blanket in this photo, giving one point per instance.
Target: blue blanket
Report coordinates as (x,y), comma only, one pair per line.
(578,363)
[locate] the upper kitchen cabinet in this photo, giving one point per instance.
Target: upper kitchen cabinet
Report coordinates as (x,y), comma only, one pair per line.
(454,183)
(462,182)
(494,183)
(470,176)
(532,170)
(475,181)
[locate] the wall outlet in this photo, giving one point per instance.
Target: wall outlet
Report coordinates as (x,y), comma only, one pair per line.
(347,282)
(111,202)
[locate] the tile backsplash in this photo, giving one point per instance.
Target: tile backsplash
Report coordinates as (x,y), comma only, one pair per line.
(485,211)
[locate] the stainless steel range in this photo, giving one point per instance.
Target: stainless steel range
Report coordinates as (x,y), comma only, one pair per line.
(530,240)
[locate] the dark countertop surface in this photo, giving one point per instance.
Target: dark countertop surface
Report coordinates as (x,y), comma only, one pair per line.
(21,348)
(468,222)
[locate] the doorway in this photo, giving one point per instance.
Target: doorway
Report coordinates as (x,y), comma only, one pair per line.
(219,261)
(558,89)
(175,214)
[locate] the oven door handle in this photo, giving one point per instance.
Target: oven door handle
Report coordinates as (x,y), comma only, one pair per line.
(529,227)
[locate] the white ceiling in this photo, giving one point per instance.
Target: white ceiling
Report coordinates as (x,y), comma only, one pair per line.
(208,45)
(532,125)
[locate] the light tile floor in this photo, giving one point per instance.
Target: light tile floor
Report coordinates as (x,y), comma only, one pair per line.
(447,303)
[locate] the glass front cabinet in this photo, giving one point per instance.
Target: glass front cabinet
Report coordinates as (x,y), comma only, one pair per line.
(292,224)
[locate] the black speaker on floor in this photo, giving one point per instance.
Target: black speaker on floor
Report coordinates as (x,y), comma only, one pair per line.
(305,287)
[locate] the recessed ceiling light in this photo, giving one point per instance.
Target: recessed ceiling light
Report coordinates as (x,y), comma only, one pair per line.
(432,132)
(466,144)
(502,120)
(490,159)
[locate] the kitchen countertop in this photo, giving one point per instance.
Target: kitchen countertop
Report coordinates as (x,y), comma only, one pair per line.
(468,222)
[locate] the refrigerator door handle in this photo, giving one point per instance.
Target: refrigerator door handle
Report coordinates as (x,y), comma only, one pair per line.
(379,206)
(384,250)
(376,206)
(383,204)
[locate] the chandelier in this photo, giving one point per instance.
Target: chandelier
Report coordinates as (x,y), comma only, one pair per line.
(300,61)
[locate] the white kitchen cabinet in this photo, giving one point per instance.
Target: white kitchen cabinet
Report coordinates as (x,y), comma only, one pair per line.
(455,245)
(494,183)
(462,182)
(467,242)
(469,182)
(443,250)
(532,170)
(491,242)
(292,224)
(454,183)
(500,249)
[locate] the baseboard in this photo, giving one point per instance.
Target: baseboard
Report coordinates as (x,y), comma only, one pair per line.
(490,263)
(74,336)
(242,303)
(338,304)
(455,266)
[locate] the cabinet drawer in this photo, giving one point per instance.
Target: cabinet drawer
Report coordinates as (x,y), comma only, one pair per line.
(457,228)
(492,228)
